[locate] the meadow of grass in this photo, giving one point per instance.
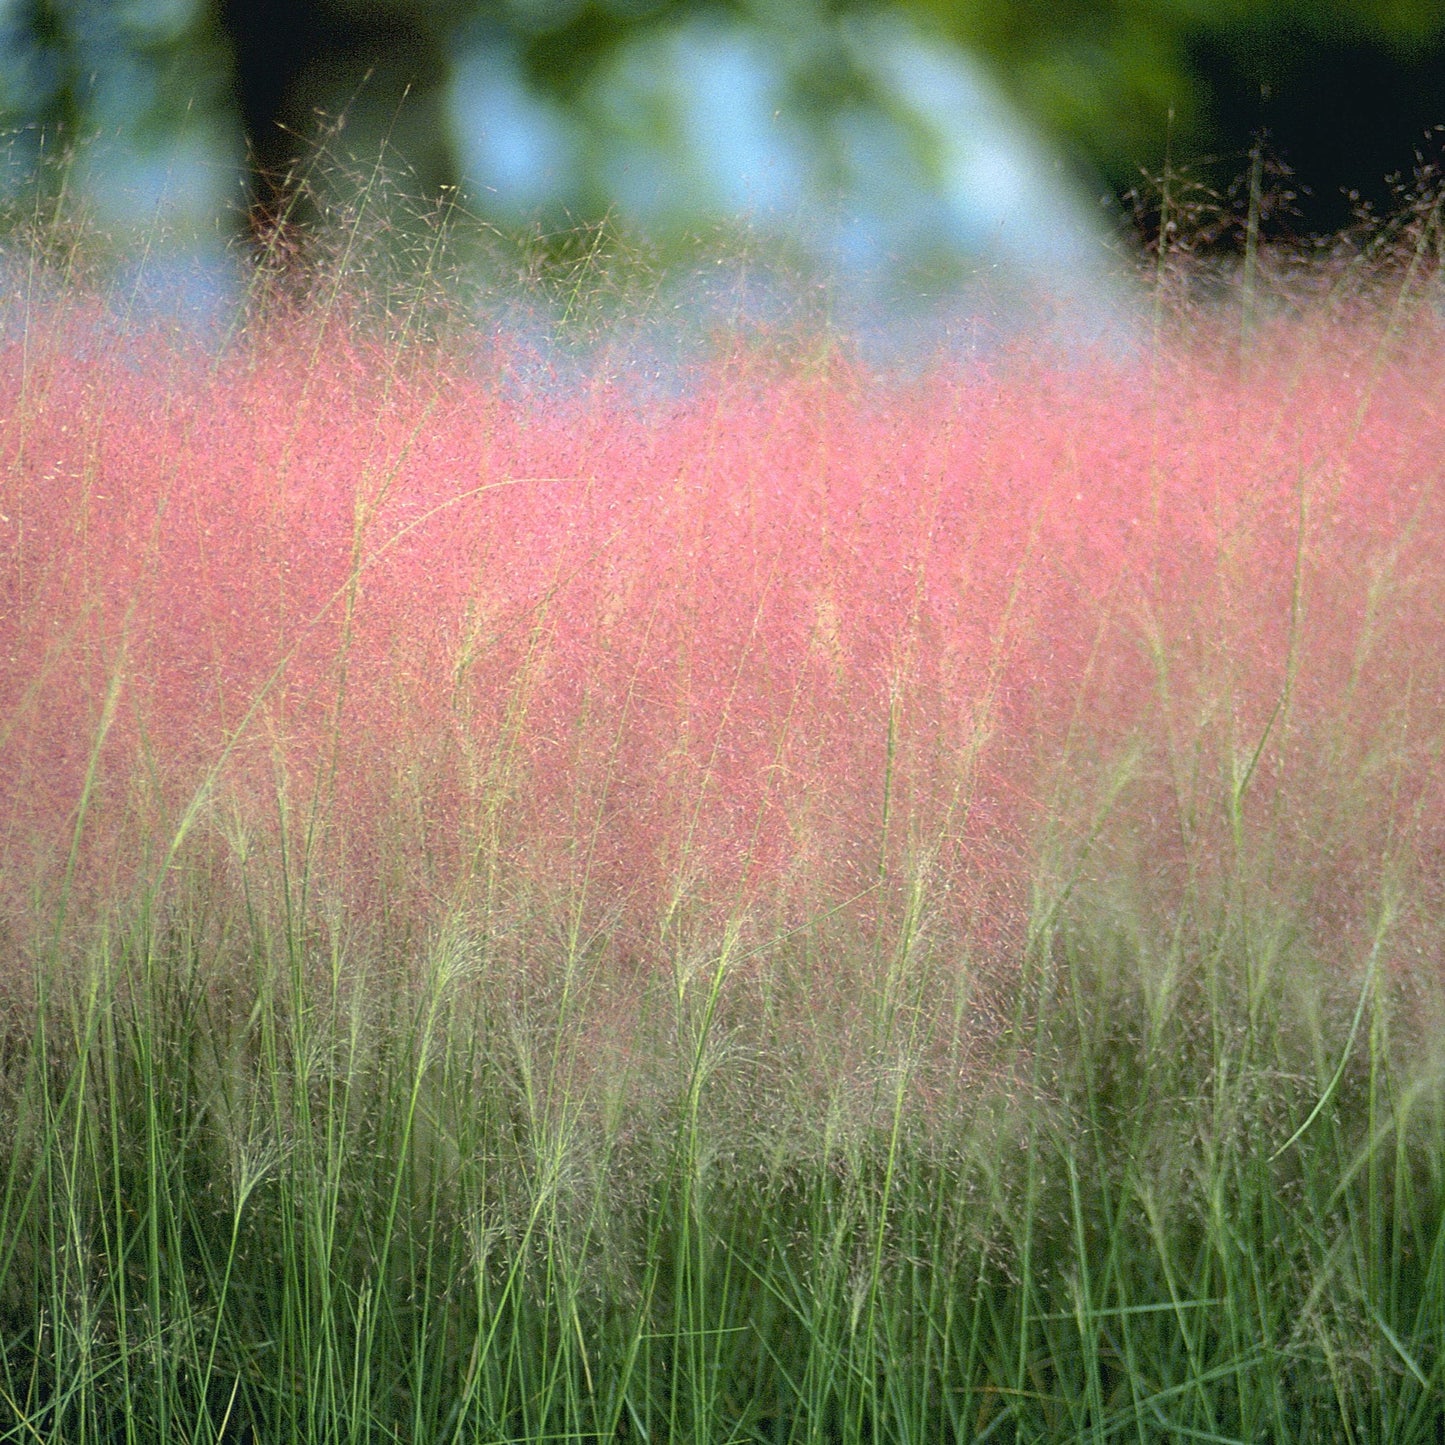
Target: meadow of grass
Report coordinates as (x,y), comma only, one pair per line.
(819,906)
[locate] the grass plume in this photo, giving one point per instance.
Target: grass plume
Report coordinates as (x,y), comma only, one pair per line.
(828,906)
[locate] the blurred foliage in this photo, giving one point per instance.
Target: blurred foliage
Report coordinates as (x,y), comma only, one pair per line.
(1341,92)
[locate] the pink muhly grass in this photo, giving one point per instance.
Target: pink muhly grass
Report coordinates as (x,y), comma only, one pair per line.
(779,646)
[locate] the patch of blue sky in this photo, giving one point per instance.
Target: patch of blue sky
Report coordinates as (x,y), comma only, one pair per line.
(735,125)
(518,149)
(178,186)
(1004,196)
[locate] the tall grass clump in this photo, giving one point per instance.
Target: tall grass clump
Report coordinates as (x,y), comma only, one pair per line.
(819,906)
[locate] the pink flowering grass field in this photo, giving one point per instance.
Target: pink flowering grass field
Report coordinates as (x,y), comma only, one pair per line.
(827,905)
